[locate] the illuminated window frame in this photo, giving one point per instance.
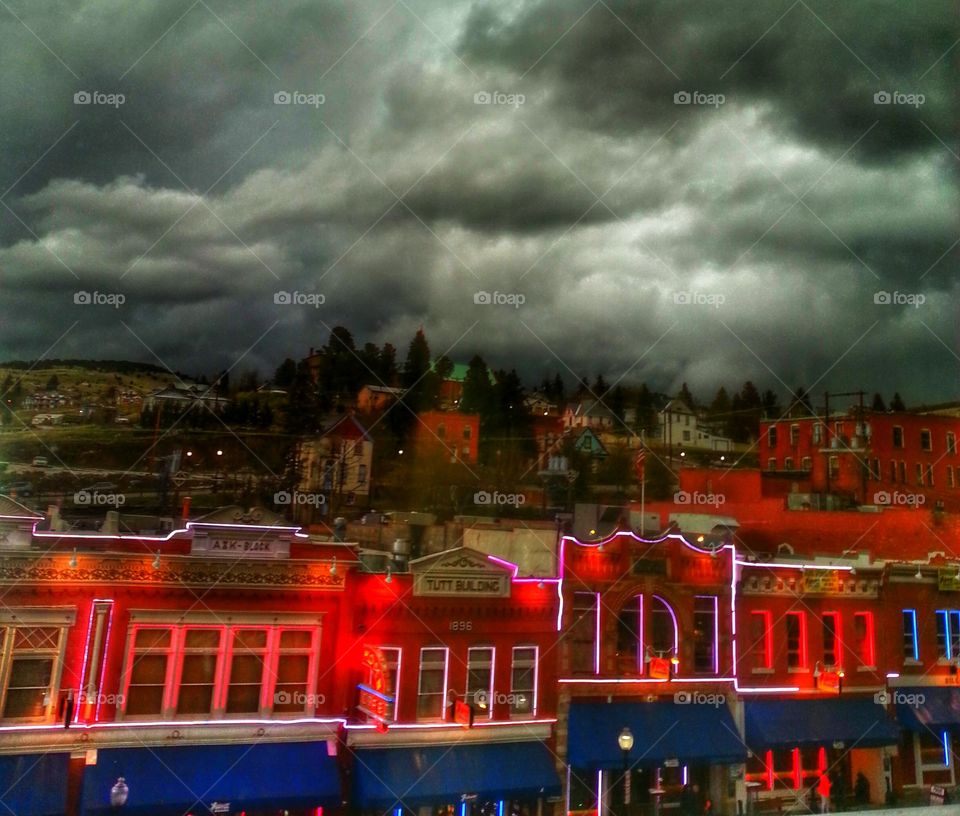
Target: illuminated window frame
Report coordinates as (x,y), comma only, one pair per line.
(715,612)
(802,656)
(944,765)
(393,657)
(867,655)
(766,639)
(273,623)
(837,661)
(534,664)
(911,640)
(12,619)
(446,676)
(490,664)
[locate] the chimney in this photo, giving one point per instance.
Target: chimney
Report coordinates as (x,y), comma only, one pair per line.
(111,522)
(185,511)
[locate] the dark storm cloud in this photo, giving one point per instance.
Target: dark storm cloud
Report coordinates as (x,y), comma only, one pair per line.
(815,66)
(588,192)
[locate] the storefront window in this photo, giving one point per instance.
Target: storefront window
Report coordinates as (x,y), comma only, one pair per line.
(148,674)
(523,681)
(480,679)
(705,657)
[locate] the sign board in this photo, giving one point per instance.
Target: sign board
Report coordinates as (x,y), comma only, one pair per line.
(259,544)
(829,681)
(460,572)
(659,668)
(375,698)
(463,713)
(938,794)
(673,762)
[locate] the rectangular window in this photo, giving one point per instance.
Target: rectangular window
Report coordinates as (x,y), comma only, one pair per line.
(948,633)
(796,624)
(794,434)
(523,681)
(248,656)
(31,655)
(834,465)
(893,471)
(466,431)
(919,474)
(198,671)
(951,442)
(480,680)
(897,436)
(950,478)
(772,436)
(832,651)
(911,644)
(926,440)
(361,474)
(705,635)
(761,638)
(239,670)
(876,470)
(863,638)
(930,475)
(903,471)
(583,633)
(772,463)
(152,649)
(392,657)
(817,433)
(788,463)
(291,693)
(807,463)
(432,687)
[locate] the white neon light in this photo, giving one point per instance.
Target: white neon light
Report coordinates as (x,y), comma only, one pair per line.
(180,723)
(599,793)
(440,726)
(627,680)
(676,627)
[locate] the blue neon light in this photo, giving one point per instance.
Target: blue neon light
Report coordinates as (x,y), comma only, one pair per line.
(913,626)
(500,808)
(946,749)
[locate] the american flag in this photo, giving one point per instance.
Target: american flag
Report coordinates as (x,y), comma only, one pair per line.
(638,464)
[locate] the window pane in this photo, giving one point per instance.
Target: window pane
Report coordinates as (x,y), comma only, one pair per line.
(202,639)
(293,668)
(142,700)
(152,638)
(243,699)
(295,639)
(250,639)
(195,699)
(199,669)
(246,669)
(149,670)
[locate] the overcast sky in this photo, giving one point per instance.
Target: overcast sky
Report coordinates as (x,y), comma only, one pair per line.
(540,152)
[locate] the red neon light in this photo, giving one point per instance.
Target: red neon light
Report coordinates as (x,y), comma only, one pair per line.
(769,760)
(797,769)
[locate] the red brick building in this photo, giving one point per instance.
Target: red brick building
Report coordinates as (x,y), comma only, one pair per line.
(874,458)
(238,665)
(452,433)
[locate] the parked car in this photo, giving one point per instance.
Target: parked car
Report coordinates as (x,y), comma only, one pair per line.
(40,461)
(17,489)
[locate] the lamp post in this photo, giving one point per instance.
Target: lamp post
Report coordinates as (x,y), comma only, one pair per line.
(625,741)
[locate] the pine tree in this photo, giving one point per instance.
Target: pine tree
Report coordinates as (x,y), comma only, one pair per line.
(878,403)
(896,404)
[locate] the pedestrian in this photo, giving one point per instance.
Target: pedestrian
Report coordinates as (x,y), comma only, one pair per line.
(861,789)
(823,788)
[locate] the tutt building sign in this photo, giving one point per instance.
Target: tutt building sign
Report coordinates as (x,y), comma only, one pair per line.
(460,572)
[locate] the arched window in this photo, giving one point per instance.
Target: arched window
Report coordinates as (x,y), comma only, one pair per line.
(646,627)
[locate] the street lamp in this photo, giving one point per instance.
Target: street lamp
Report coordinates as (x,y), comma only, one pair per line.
(625,741)
(119,793)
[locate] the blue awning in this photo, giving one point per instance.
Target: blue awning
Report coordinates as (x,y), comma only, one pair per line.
(928,709)
(412,777)
(857,723)
(34,784)
(689,733)
(190,779)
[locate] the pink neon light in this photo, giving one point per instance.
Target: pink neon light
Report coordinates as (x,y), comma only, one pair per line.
(676,628)
(596,642)
(181,723)
(627,680)
(83,666)
(448,725)
(103,664)
(516,569)
(641,646)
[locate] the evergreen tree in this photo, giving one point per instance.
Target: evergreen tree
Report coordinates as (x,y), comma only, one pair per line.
(286,372)
(600,387)
(387,364)
(617,402)
(896,404)
(53,383)
(800,404)
(878,403)
(647,419)
(685,395)
(771,404)
(719,409)
(477,397)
